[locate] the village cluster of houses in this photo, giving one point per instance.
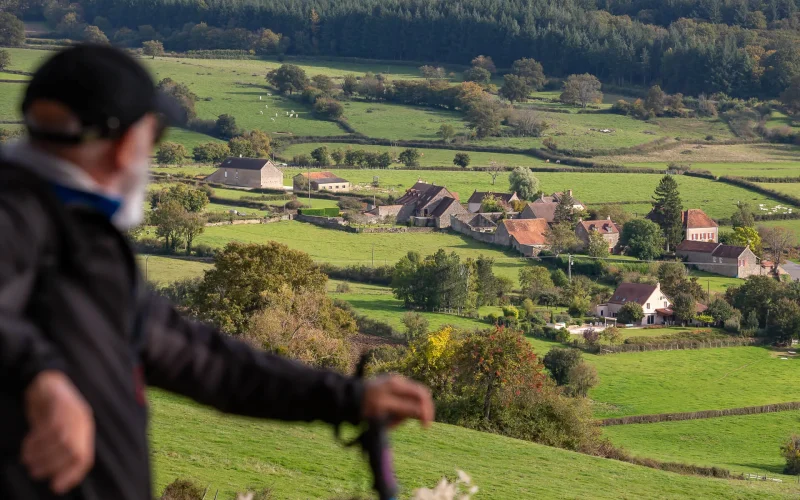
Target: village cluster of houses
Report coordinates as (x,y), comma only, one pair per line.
(526,231)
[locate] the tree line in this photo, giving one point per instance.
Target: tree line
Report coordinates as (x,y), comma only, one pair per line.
(718,46)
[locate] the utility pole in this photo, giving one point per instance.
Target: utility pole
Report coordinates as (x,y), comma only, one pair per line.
(708,290)
(569,267)
(373,255)
(309,182)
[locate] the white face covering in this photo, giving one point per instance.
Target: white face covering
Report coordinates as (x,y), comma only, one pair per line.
(134,193)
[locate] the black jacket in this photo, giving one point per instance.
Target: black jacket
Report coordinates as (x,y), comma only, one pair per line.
(71,298)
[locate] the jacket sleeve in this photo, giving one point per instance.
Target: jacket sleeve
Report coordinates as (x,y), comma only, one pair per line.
(195,360)
(24,350)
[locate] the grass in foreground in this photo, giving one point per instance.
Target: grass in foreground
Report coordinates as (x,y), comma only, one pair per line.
(747,443)
(303,461)
(162,270)
(703,379)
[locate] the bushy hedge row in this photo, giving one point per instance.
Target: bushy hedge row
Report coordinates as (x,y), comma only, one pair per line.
(675,345)
(321,212)
(752,186)
(381,275)
(693,415)
(772,180)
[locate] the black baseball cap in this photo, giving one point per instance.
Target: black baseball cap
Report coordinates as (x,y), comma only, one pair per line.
(104,87)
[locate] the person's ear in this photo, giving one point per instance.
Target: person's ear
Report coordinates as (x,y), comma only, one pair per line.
(136,143)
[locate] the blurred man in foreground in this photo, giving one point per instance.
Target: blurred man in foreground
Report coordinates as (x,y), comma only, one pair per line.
(80,336)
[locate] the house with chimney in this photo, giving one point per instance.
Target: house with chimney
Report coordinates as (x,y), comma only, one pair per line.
(656,306)
(604,227)
(428,205)
(527,236)
(476,200)
(727,260)
(697,226)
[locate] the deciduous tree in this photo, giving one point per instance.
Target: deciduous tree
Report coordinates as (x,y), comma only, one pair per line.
(5,59)
(643,239)
(410,157)
(630,313)
(288,78)
(531,70)
(211,152)
(777,240)
(12,30)
(561,237)
(515,88)
(416,325)
(477,75)
(598,246)
(171,153)
(461,160)
(522,181)
(582,89)
(446,132)
(559,361)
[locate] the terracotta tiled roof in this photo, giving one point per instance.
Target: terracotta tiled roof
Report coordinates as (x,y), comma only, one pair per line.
(527,231)
(314,176)
(632,292)
(603,226)
(695,218)
(728,251)
(696,246)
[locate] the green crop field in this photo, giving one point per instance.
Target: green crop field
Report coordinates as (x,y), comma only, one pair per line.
(703,379)
(429,158)
(162,270)
(341,248)
(303,461)
(747,443)
(717,199)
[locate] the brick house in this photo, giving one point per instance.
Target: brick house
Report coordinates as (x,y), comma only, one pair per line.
(527,236)
(248,172)
(606,228)
(320,181)
(697,226)
(421,200)
(727,260)
(476,200)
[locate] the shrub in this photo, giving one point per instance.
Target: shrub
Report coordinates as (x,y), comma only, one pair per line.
(170,153)
(343,287)
(791,452)
(321,212)
(581,378)
(560,361)
(563,336)
(562,318)
(182,489)
(631,312)
(591,336)
(612,335)
(350,204)
(733,325)
(416,324)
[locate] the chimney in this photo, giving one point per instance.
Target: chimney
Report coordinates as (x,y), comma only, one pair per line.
(608,218)
(569,192)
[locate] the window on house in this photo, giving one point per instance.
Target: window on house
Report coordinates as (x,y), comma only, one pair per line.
(666,304)
(226,173)
(601,312)
(648,305)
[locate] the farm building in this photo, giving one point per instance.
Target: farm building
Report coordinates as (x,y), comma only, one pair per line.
(544,207)
(385,211)
(527,236)
(320,181)
(248,172)
(428,205)
(476,200)
(727,260)
(698,226)
(606,227)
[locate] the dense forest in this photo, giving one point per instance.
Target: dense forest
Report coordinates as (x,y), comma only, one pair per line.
(739,47)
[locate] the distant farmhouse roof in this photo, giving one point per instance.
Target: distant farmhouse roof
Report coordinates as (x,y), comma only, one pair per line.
(696,218)
(478,196)
(546,211)
(603,226)
(443,205)
(728,251)
(556,197)
(423,193)
(323,177)
(246,163)
(715,249)
(632,292)
(527,231)
(696,246)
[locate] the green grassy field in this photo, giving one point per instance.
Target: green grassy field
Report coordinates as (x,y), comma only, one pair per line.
(430,157)
(714,282)
(792,225)
(160,269)
(703,379)
(303,461)
(10,99)
(340,248)
(775,160)
(188,138)
(394,121)
(717,199)
(790,188)
(739,169)
(748,443)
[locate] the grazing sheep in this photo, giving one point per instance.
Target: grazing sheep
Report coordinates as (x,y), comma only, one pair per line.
(558,161)
(547,161)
